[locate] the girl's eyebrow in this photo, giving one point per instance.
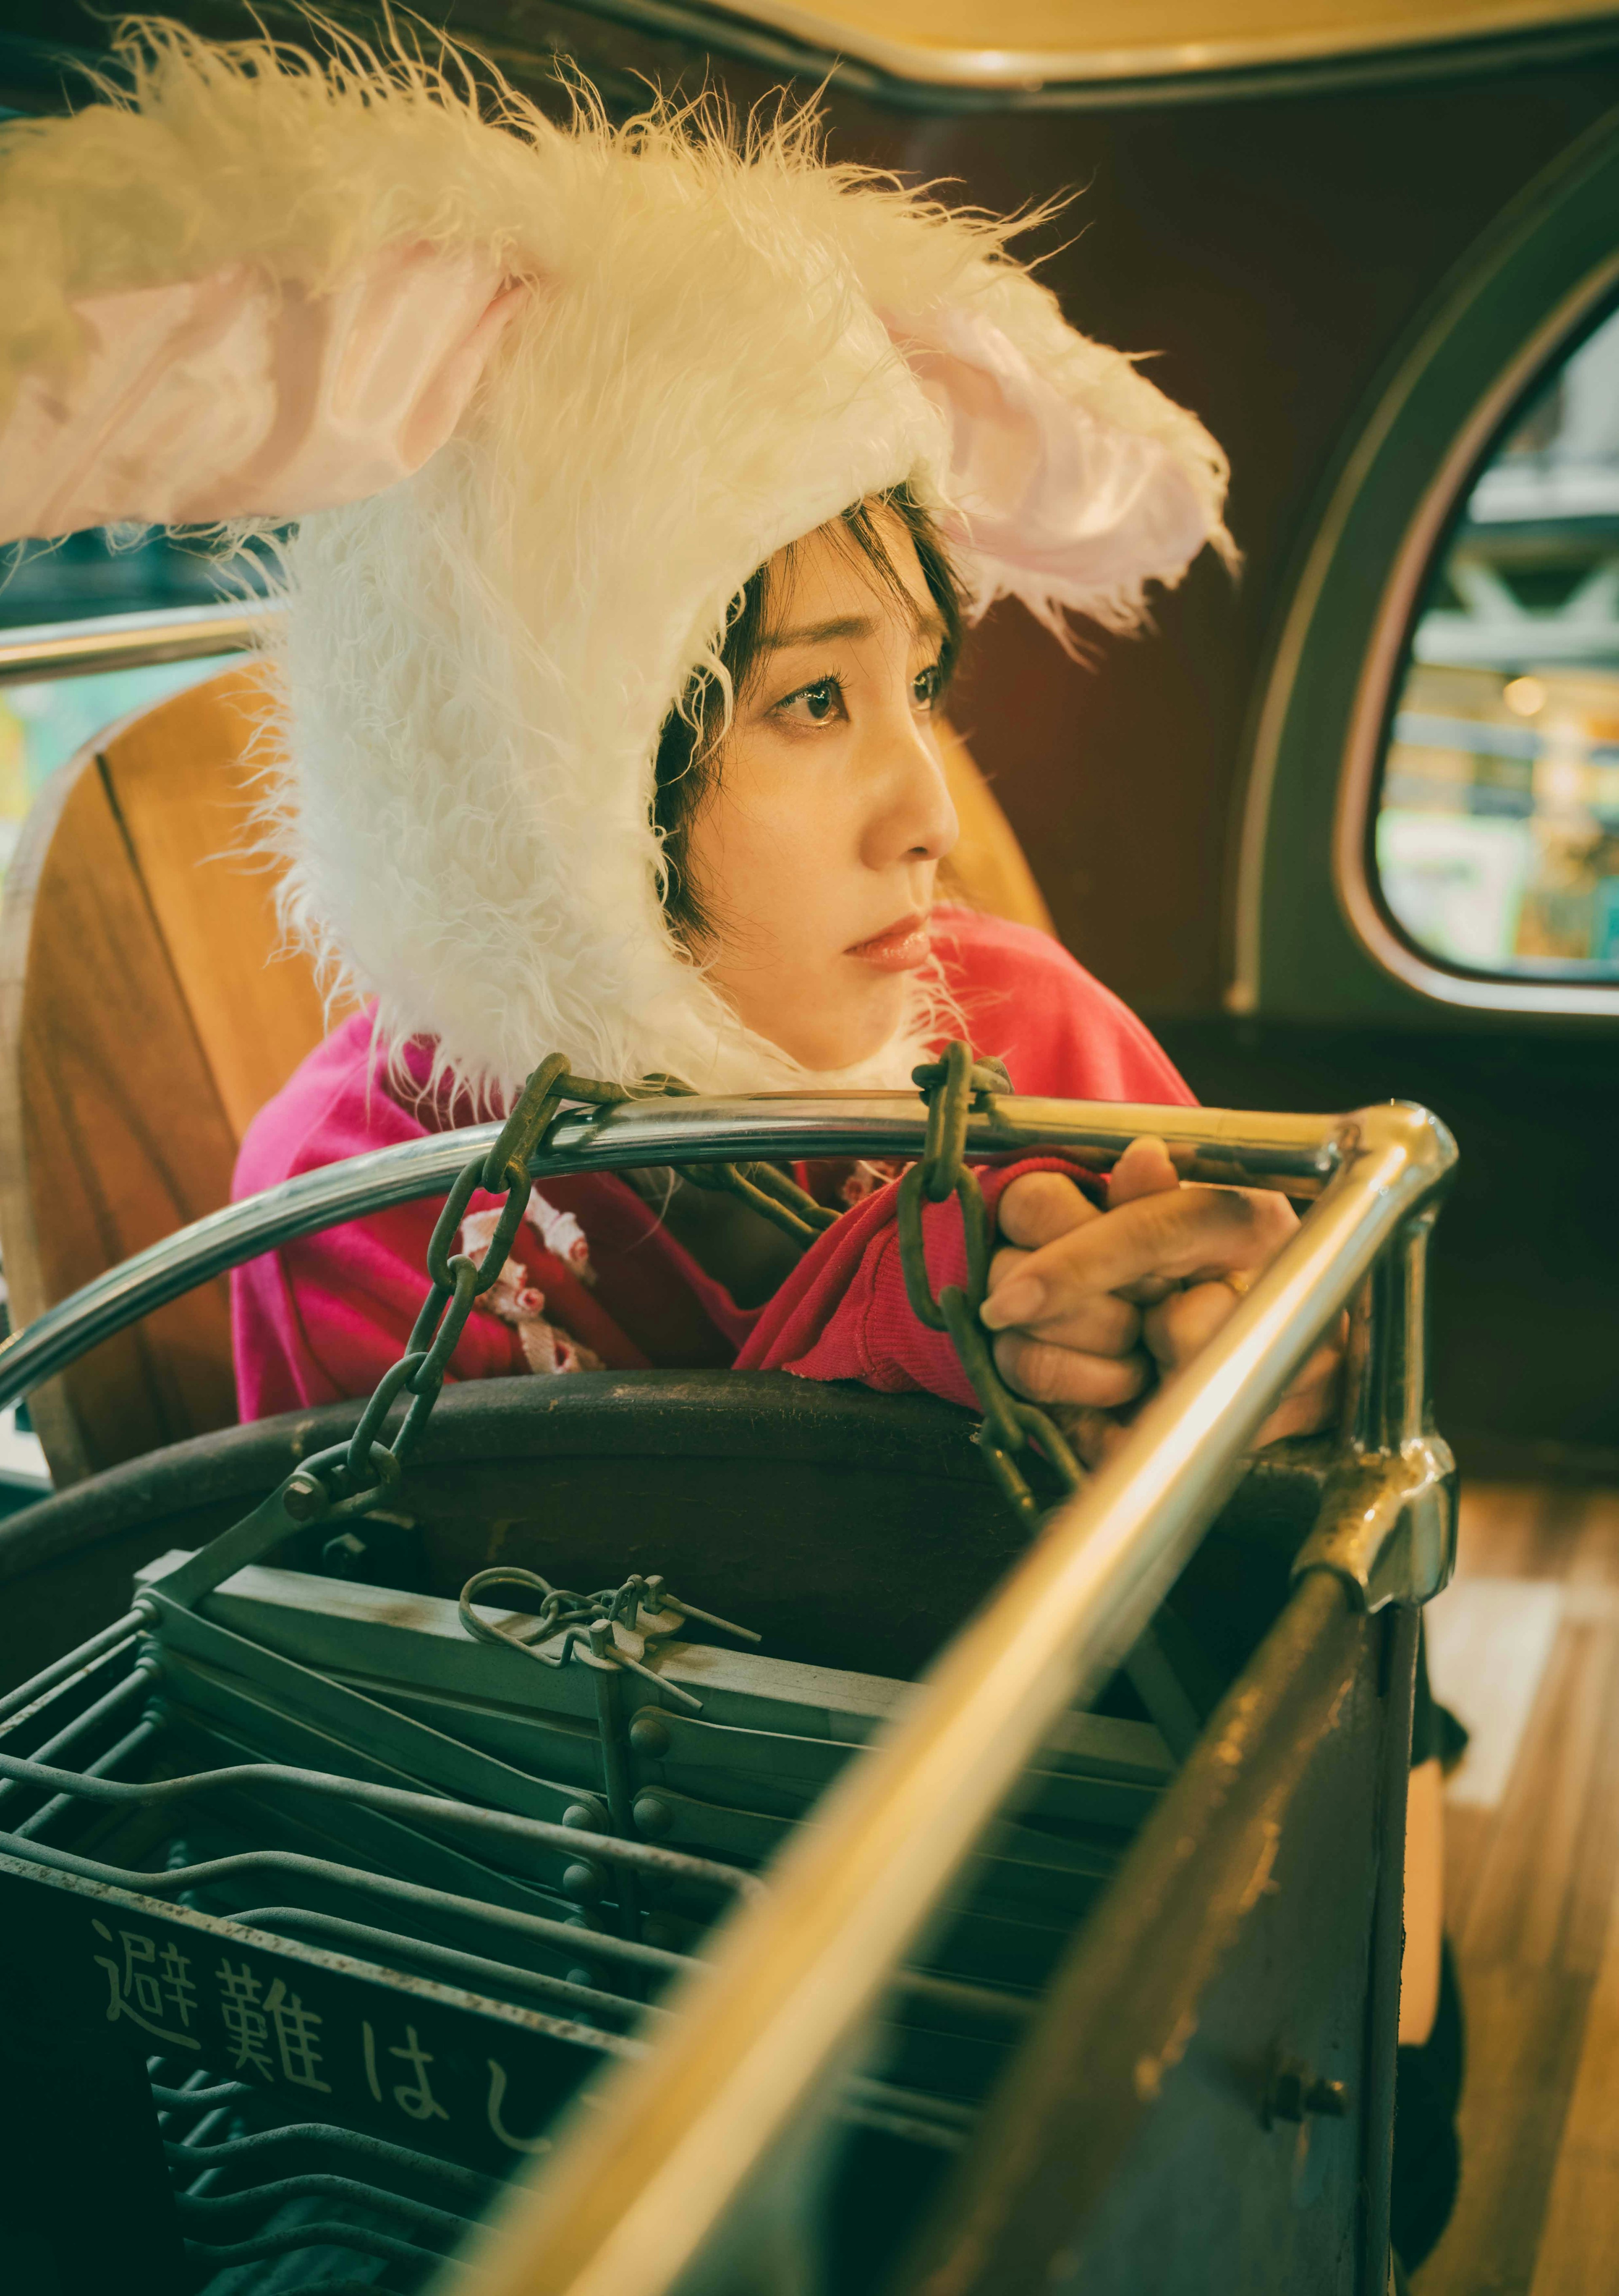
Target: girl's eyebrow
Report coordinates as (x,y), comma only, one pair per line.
(926,625)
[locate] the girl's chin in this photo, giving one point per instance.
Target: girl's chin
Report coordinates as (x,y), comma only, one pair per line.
(842,1032)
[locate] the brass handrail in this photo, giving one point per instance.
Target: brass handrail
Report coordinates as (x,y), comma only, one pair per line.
(1301,1151)
(675,2143)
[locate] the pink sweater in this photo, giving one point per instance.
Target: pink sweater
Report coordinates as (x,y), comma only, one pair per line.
(596,1278)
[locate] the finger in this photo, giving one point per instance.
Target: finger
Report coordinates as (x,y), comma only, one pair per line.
(1005,1263)
(1041,1207)
(1144,1170)
(1101,1325)
(1304,1411)
(1148,1291)
(1108,1435)
(1328,1356)
(1093,1435)
(1050,1375)
(1320,1370)
(1192,1232)
(1186,1322)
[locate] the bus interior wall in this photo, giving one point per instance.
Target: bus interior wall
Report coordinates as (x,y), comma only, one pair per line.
(1271,253)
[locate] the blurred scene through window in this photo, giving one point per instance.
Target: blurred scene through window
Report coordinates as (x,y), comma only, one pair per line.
(1498,829)
(44,721)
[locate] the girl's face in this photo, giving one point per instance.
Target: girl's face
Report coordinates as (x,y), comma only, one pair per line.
(815,854)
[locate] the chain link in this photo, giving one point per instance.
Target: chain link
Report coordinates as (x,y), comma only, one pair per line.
(953,1086)
(770,1193)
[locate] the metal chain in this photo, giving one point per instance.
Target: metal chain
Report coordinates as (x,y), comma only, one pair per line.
(953,1086)
(458,1281)
(770,1193)
(371,1465)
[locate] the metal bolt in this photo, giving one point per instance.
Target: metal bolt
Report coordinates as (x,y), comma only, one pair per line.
(303,1499)
(1295,2092)
(581,1880)
(653,1814)
(343,1554)
(649,1735)
(588,1816)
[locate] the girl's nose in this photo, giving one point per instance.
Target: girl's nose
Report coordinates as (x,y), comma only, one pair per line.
(912,815)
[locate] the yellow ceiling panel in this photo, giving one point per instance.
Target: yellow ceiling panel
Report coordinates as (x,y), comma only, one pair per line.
(1023,43)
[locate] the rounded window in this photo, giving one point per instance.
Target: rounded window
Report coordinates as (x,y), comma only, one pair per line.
(1496,825)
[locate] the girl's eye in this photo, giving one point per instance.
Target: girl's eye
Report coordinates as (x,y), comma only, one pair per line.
(818,703)
(927,685)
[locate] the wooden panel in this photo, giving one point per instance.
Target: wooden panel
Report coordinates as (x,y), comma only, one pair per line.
(146,1012)
(52,1415)
(182,777)
(116,1134)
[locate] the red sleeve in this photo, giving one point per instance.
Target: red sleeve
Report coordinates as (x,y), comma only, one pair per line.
(843,1313)
(324,1317)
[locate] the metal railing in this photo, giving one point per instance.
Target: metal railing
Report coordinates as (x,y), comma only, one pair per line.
(759,2037)
(99,641)
(1299,1152)
(680,2139)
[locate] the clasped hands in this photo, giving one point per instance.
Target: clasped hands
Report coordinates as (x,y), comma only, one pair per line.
(1092,1307)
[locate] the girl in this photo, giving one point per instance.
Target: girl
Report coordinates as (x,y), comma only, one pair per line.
(644,485)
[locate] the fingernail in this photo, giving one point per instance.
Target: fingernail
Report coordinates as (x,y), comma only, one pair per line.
(1018,1301)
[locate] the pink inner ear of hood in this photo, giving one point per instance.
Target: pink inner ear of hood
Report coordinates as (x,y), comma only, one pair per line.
(239,396)
(1042,487)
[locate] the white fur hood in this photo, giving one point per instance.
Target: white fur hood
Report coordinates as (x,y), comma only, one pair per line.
(542,398)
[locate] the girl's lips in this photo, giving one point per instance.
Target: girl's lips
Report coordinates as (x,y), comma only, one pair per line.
(898,947)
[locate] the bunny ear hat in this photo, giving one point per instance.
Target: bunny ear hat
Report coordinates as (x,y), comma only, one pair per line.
(541,398)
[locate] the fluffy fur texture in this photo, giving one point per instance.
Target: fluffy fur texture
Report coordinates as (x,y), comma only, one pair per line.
(722,343)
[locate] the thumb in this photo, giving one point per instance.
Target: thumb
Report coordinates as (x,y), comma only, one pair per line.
(1144,1170)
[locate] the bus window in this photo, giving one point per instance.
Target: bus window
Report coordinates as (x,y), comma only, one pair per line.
(1497,837)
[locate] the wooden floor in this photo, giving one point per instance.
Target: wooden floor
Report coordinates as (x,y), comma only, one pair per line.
(1525,1647)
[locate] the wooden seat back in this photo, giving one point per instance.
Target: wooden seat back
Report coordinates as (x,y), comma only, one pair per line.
(147,1012)
(145,1015)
